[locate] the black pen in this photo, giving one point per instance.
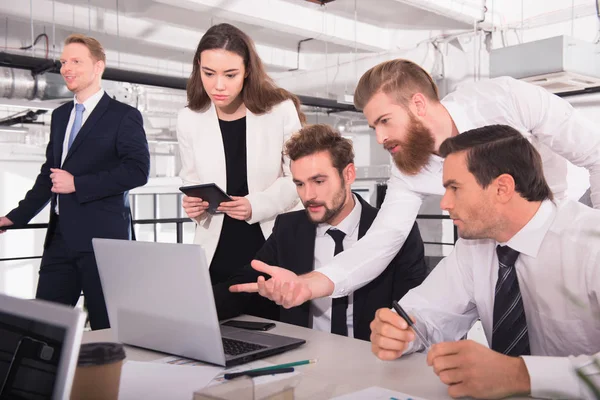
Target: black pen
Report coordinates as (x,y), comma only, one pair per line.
(254,374)
(410,323)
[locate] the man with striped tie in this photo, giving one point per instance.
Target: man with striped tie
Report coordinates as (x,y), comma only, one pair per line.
(526,266)
(97,152)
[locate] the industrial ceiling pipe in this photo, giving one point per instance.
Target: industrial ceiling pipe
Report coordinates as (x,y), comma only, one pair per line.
(39,66)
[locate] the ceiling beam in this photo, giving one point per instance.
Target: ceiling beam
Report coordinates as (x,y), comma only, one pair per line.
(467,11)
(297,19)
(157,43)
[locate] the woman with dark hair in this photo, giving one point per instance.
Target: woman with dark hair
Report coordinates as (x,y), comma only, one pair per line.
(232,133)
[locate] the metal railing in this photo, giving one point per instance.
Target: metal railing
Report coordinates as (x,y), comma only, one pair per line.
(177,221)
(179,230)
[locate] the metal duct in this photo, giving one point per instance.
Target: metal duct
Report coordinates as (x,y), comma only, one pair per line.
(41,65)
(21,84)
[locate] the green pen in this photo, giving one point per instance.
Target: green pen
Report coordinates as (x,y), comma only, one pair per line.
(292,364)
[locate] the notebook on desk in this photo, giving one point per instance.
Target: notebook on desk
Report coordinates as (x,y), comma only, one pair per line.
(159,296)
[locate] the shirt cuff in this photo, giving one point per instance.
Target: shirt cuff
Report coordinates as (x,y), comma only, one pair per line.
(339,279)
(552,377)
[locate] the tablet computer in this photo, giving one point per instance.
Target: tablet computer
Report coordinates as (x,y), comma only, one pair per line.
(207,192)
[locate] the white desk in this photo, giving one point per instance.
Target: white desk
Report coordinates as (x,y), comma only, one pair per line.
(344,365)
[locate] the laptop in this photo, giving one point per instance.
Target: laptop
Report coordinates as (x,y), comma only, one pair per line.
(159,296)
(39,348)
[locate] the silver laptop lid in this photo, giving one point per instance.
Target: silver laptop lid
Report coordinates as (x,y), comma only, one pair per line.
(147,289)
(39,348)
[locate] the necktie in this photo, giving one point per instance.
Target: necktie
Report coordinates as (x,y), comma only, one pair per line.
(509,335)
(339,306)
(79,109)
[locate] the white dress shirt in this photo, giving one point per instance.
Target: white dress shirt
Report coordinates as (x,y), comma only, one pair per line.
(89,106)
(558,269)
(324,249)
(552,125)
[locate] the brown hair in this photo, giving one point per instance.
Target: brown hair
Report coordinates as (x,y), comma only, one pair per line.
(499,149)
(94,46)
(399,78)
(316,138)
(259,93)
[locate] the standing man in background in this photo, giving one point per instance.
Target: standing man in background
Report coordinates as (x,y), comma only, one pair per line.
(401,102)
(97,152)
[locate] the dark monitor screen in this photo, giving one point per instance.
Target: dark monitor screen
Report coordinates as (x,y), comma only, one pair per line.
(30,352)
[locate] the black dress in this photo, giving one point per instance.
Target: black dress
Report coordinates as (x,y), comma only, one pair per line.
(239,241)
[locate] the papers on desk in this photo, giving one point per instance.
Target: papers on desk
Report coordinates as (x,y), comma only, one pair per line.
(151,380)
(377,393)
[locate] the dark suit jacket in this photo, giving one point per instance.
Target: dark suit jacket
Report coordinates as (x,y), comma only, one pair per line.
(108,158)
(292,245)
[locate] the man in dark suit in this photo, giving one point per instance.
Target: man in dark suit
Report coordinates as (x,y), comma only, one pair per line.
(97,152)
(322,166)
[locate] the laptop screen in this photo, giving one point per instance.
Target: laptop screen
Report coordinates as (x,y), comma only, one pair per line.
(30,352)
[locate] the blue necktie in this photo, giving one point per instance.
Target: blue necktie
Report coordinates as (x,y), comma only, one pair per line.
(79,109)
(339,306)
(509,334)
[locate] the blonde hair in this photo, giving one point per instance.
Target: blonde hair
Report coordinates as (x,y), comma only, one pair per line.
(94,46)
(399,78)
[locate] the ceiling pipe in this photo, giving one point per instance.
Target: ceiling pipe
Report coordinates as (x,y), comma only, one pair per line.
(38,66)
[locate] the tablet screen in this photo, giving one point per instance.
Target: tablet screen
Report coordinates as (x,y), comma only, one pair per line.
(209,192)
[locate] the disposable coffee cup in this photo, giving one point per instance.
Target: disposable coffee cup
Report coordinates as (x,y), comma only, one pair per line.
(98,372)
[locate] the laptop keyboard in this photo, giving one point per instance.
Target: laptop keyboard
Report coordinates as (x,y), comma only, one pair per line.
(234,347)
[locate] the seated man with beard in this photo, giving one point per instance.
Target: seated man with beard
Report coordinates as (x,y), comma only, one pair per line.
(322,166)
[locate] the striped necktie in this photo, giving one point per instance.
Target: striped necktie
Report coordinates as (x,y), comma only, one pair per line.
(509,335)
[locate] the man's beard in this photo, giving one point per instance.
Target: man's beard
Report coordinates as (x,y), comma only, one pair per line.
(338,203)
(415,150)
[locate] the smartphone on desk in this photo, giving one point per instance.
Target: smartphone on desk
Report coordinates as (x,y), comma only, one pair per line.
(250,325)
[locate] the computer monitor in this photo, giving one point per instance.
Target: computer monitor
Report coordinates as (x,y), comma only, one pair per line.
(39,347)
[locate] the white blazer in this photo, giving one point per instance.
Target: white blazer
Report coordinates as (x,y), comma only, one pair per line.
(270,186)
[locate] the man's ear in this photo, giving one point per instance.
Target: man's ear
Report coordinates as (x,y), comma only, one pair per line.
(349,173)
(420,104)
(99,67)
(505,187)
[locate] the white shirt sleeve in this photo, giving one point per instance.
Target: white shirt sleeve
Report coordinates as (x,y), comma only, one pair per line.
(555,377)
(281,196)
(188,174)
(445,304)
(357,266)
(554,122)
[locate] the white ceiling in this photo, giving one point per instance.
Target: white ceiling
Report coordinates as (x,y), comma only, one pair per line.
(160,36)
(390,14)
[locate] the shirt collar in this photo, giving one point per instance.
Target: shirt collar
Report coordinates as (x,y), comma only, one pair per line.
(348,225)
(91,102)
(529,239)
(458,115)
